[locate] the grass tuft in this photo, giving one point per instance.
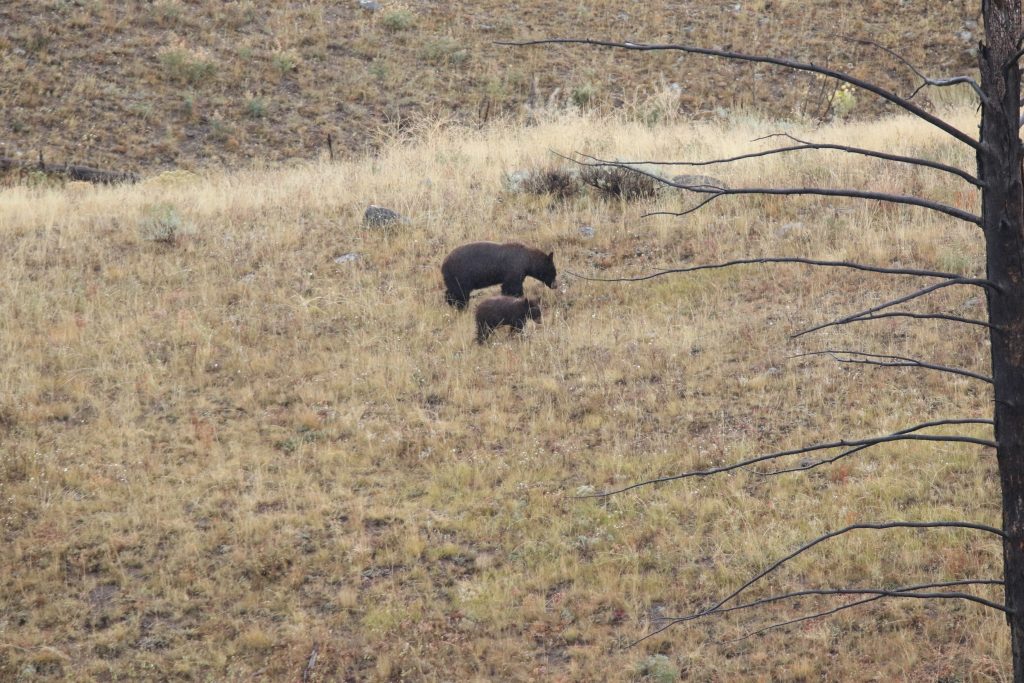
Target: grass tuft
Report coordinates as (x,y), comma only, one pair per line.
(182,66)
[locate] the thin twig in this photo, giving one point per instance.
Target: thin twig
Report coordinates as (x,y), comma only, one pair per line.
(938,82)
(928,316)
(857,603)
(778,61)
(778,259)
(307,672)
(898,362)
(851,451)
(821,539)
(843,443)
(895,302)
(1014,58)
(806,145)
(877,592)
(716,192)
(908,200)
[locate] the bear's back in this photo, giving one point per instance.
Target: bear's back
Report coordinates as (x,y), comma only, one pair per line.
(502,309)
(483,261)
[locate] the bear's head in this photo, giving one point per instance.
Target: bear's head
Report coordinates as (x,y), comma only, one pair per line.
(547,273)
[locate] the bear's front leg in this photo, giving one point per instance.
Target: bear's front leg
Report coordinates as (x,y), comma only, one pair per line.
(457,299)
(512,287)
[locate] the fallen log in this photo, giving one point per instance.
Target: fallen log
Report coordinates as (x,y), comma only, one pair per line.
(69,171)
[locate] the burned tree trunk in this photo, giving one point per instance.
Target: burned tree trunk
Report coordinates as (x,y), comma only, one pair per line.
(86,174)
(999,169)
(999,158)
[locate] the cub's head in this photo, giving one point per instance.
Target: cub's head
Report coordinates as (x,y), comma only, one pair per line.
(533,310)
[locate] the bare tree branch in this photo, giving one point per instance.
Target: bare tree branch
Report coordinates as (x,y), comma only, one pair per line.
(938,82)
(717,192)
(693,209)
(914,161)
(806,145)
(1014,58)
(898,362)
(779,259)
(944,82)
(821,539)
(907,200)
(928,316)
(903,435)
(822,192)
(857,603)
(913,592)
(778,61)
(851,451)
(875,526)
(895,302)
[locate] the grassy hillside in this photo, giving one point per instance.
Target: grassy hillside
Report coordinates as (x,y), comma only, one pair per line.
(146,86)
(226,449)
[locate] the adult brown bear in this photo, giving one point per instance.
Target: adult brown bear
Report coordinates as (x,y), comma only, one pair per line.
(482,264)
(496,311)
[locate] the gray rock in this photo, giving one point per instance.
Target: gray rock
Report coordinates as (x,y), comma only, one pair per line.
(347,258)
(587,231)
(371,5)
(699,180)
(379,217)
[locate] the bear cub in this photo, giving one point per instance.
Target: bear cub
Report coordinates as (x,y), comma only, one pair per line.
(496,311)
(482,264)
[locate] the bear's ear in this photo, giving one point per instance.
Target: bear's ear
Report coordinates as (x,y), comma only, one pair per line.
(551,257)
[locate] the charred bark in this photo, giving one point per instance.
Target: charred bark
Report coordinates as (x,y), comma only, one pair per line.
(1002,210)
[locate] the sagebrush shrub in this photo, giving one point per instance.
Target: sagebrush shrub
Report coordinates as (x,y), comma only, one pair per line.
(620,182)
(553,180)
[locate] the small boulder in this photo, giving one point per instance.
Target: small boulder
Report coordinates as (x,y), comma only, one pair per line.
(379,217)
(371,5)
(346,258)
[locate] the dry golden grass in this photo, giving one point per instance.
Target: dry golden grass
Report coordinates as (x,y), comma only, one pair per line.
(222,449)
